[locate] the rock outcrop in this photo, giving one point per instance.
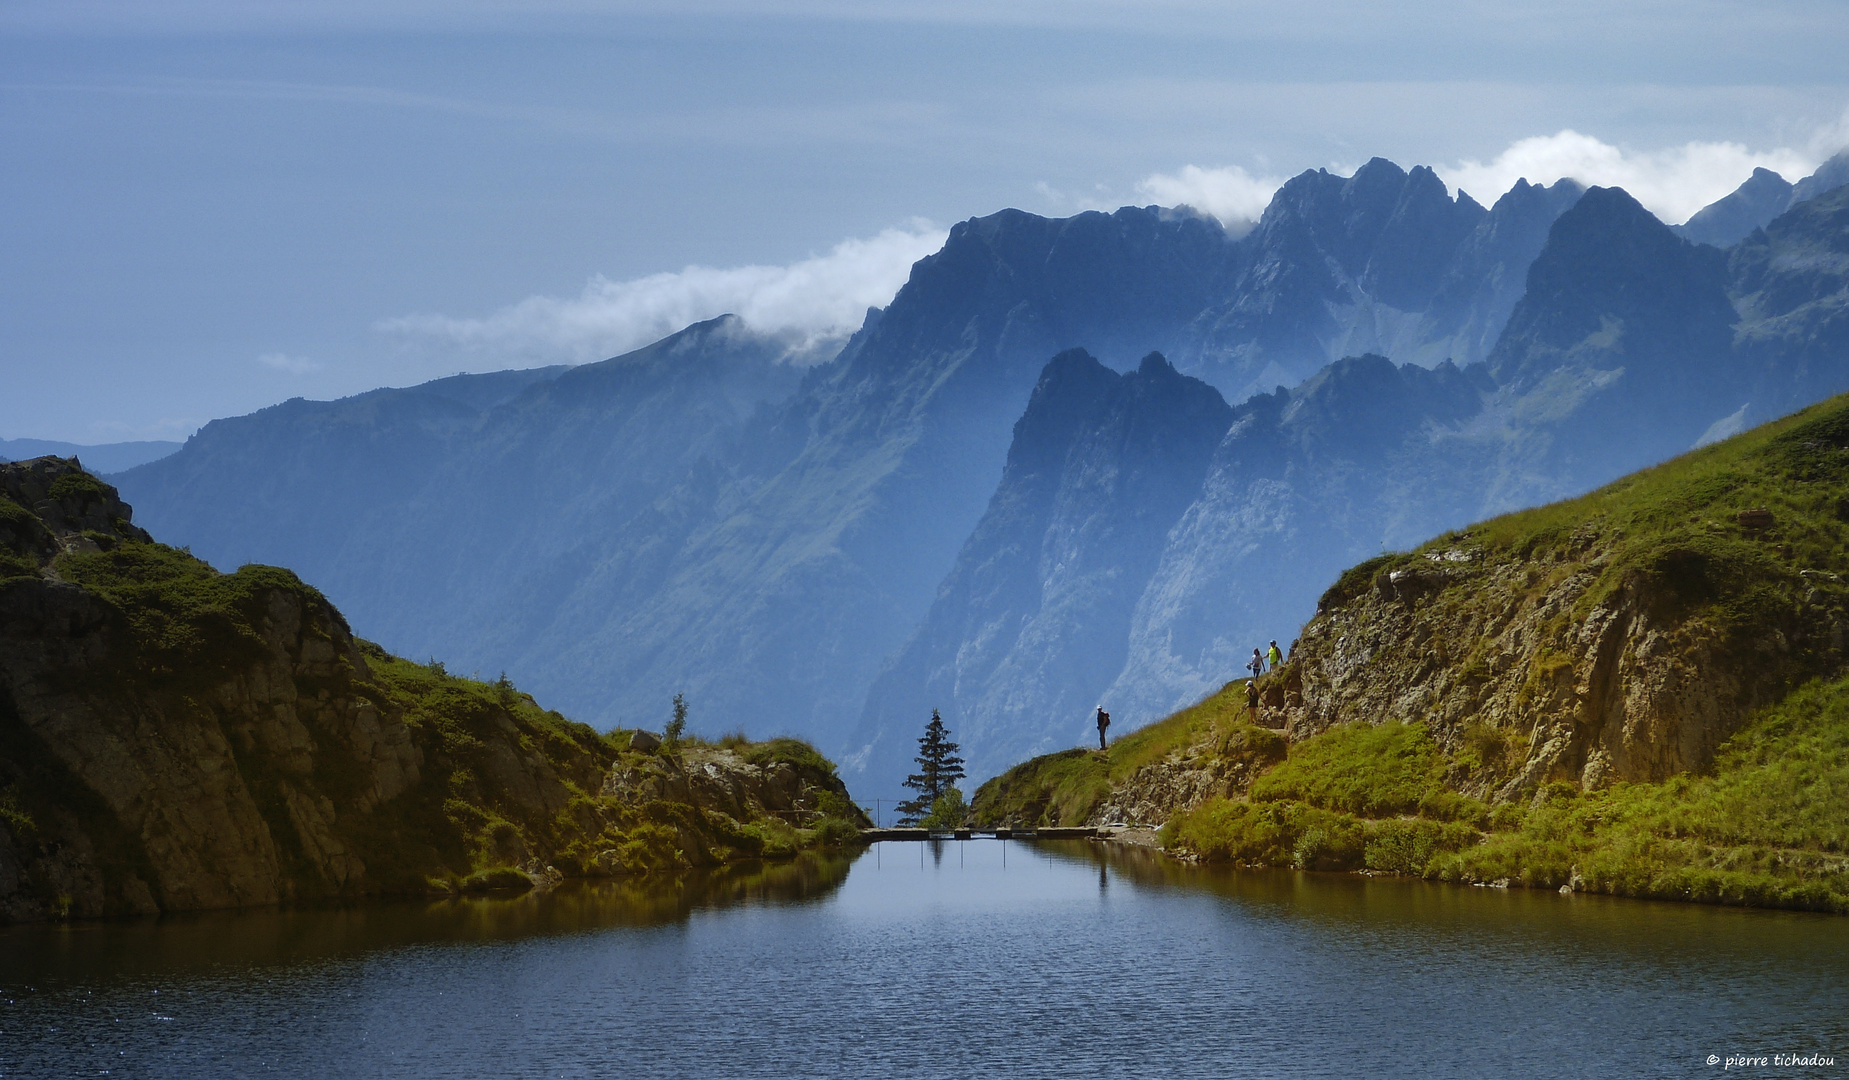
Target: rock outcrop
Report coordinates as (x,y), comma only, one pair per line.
(172,738)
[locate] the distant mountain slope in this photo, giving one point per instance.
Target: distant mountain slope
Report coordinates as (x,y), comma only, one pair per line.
(1030,622)
(102,458)
(1726,222)
(1764,196)
(294,484)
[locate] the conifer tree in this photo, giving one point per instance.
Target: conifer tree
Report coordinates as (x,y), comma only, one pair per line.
(939,767)
(671,734)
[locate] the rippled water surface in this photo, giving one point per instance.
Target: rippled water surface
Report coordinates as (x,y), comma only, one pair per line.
(916,960)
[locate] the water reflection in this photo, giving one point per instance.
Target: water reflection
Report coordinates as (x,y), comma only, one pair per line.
(83,952)
(1355,905)
(1067,958)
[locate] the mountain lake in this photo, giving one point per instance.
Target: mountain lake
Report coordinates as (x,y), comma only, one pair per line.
(942,959)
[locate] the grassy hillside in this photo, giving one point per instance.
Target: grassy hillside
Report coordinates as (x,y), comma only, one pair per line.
(1639,692)
(1766,825)
(1072,787)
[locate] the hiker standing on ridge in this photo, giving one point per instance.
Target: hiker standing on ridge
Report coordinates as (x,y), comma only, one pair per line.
(1104,721)
(1256,665)
(1252,701)
(1274,657)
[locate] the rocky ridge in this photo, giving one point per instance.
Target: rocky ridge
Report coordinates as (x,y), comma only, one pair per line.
(172,738)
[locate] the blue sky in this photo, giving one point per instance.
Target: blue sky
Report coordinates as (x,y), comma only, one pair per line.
(210,207)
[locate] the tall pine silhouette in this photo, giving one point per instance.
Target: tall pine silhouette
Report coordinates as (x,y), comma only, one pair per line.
(939,767)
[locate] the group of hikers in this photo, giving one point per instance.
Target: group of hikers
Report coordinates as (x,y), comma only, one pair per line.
(1269,660)
(1263,660)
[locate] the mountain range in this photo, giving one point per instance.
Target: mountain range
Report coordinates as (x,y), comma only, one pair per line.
(103,458)
(938,517)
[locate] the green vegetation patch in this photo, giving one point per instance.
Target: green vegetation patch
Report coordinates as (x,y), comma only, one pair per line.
(788,751)
(1767,826)
(1369,770)
(79,485)
(178,607)
(1065,788)
(1722,531)
(497,879)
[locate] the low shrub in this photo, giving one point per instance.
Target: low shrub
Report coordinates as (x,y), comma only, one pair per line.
(495,879)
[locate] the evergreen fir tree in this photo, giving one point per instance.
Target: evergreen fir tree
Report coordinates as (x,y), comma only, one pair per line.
(939,767)
(671,734)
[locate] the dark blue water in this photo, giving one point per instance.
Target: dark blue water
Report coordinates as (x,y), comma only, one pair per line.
(1070,961)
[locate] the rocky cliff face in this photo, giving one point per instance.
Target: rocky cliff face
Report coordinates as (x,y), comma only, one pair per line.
(1621,636)
(172,738)
(1727,221)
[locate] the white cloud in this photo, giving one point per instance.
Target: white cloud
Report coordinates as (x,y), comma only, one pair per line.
(294,365)
(1673,183)
(824,296)
(1231,194)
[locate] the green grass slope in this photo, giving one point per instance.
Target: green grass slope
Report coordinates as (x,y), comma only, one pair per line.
(1766,825)
(1637,692)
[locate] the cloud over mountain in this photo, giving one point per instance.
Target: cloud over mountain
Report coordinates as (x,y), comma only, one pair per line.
(1231,194)
(811,300)
(1673,182)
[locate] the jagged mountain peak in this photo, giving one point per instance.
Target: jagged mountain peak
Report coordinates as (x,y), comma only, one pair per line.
(1726,221)
(1610,266)
(1020,285)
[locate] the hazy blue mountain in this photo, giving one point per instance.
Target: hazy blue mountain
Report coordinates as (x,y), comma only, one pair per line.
(1620,353)
(1727,221)
(1488,275)
(1031,622)
(1790,283)
(1304,483)
(1628,345)
(1764,196)
(1625,349)
(1383,261)
(1829,176)
(292,485)
(99,458)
